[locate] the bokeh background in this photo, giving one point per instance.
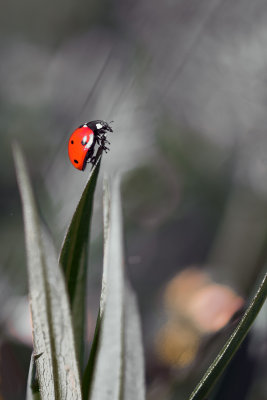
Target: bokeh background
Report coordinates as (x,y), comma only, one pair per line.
(185,83)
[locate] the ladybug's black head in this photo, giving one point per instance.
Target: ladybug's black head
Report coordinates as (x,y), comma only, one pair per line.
(99,126)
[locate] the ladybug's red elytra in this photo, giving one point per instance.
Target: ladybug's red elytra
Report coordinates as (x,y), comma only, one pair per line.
(83,140)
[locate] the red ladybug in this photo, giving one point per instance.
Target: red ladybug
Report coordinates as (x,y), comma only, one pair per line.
(83,140)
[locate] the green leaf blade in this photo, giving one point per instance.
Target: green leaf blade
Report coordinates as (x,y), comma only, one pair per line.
(54,350)
(231,346)
(78,234)
(89,370)
(74,257)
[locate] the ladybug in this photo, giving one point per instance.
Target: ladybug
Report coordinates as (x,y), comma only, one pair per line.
(83,140)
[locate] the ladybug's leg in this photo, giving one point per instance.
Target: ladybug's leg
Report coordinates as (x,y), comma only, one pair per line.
(92,160)
(97,139)
(88,157)
(96,157)
(103,142)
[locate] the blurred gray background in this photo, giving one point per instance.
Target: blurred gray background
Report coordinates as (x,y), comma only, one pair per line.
(185,83)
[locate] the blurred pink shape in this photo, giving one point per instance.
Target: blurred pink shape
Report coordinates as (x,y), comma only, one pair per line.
(208,306)
(183,286)
(212,306)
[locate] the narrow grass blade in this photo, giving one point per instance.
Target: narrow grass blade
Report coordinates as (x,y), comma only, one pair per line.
(74,257)
(107,376)
(133,387)
(88,373)
(219,364)
(54,350)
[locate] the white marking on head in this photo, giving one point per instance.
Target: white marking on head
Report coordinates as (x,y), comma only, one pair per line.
(85,126)
(99,126)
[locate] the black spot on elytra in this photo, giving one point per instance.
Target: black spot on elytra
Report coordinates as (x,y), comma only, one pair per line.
(72,142)
(76,162)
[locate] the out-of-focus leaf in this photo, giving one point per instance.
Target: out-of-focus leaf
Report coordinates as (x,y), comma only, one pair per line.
(107,375)
(74,257)
(119,369)
(133,387)
(106,231)
(54,350)
(219,364)
(88,373)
